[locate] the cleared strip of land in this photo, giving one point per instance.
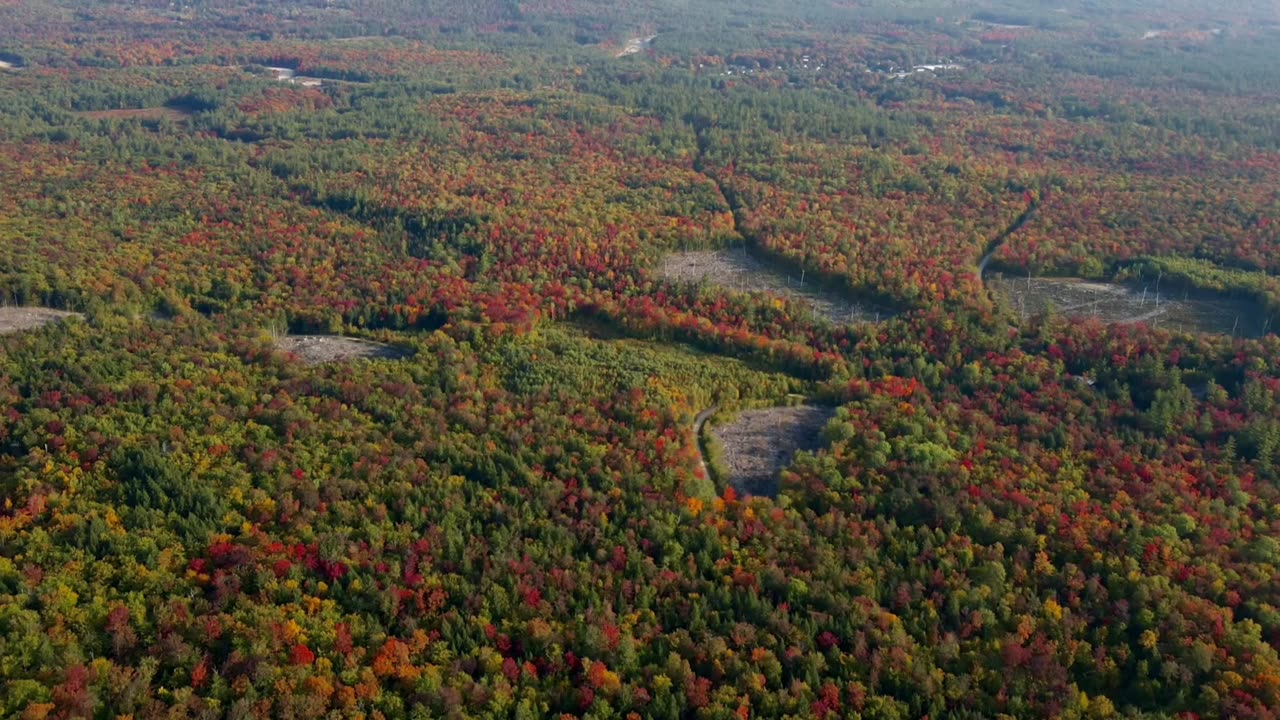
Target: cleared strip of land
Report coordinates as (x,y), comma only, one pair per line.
(321,349)
(739,270)
(17,319)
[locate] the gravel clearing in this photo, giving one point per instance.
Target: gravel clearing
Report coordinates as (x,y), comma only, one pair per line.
(17,319)
(321,349)
(759,443)
(737,270)
(1195,311)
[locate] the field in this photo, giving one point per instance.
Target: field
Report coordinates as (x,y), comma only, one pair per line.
(740,271)
(1195,311)
(321,349)
(17,319)
(759,443)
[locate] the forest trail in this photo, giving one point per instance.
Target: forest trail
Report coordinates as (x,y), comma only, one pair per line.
(698,422)
(998,242)
(752,267)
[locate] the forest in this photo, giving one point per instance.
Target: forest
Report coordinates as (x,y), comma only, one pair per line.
(344,371)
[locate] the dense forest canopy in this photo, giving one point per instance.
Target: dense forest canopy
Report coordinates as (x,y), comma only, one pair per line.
(370,358)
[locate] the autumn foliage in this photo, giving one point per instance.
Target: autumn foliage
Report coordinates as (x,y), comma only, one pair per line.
(1049,517)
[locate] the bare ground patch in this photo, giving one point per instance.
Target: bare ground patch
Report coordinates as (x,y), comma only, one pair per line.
(759,443)
(321,349)
(17,319)
(636,45)
(1196,311)
(738,270)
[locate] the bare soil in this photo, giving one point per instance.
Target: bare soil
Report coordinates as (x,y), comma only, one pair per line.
(760,443)
(156,113)
(635,45)
(1195,311)
(738,270)
(17,319)
(321,349)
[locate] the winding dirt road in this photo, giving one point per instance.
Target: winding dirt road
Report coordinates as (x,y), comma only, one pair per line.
(698,422)
(998,242)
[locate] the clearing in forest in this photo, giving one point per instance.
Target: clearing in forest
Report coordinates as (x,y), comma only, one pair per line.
(17,319)
(1194,310)
(636,45)
(321,349)
(739,270)
(759,443)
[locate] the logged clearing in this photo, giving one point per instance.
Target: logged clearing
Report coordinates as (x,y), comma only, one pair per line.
(759,443)
(156,113)
(321,349)
(636,45)
(738,270)
(1194,311)
(17,319)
